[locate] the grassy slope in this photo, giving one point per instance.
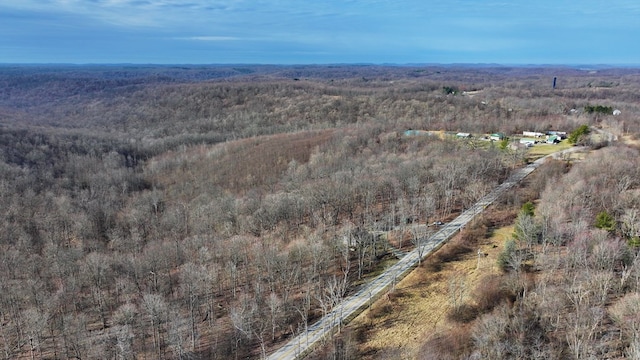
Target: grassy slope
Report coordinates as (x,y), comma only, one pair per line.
(398,325)
(541,150)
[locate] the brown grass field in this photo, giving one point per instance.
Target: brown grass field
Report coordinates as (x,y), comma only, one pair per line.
(398,324)
(541,150)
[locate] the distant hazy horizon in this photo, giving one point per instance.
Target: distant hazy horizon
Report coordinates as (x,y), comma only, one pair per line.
(288,32)
(444,65)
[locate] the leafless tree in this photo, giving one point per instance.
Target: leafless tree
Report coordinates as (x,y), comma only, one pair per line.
(35,323)
(247,321)
(625,312)
(177,336)
(75,335)
(155,307)
(488,336)
(97,268)
(274,303)
(364,243)
(124,342)
(126,314)
(194,283)
(582,320)
(419,238)
(457,291)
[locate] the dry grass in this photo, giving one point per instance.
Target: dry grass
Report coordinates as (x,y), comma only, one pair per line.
(631,140)
(541,150)
(416,312)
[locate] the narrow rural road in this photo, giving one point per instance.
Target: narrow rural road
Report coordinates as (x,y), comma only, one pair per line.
(300,345)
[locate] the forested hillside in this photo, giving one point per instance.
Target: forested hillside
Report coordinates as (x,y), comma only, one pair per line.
(569,285)
(213,212)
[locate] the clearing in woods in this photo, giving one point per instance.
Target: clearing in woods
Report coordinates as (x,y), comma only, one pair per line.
(541,150)
(398,324)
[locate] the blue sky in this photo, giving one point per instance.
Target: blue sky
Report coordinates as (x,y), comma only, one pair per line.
(320,31)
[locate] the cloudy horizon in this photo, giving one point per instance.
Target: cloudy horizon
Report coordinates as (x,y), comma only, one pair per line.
(295,32)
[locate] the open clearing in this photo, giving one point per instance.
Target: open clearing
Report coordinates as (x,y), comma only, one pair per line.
(541,150)
(398,324)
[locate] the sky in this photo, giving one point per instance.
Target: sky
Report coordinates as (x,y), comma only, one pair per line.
(320,31)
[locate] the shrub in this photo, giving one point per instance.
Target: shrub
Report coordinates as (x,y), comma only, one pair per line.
(432,264)
(450,90)
(605,221)
(528,208)
(452,252)
(598,109)
(577,134)
(504,143)
(490,293)
(449,345)
(505,257)
(464,313)
(381,310)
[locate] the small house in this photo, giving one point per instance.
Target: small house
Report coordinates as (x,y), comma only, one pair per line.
(416,133)
(553,139)
(534,134)
(462,135)
(560,134)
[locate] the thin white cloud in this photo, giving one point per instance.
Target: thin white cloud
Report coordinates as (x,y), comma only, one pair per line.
(127,13)
(208,38)
(362,29)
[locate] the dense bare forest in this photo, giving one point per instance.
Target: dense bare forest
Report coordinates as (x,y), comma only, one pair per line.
(213,212)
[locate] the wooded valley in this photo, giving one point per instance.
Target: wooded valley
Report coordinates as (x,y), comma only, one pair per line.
(212,212)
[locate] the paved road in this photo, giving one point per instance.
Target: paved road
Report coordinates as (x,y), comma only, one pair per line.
(299,346)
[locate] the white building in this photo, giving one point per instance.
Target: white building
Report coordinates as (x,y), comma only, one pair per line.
(534,134)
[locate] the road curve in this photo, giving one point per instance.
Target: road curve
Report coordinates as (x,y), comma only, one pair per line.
(303,343)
